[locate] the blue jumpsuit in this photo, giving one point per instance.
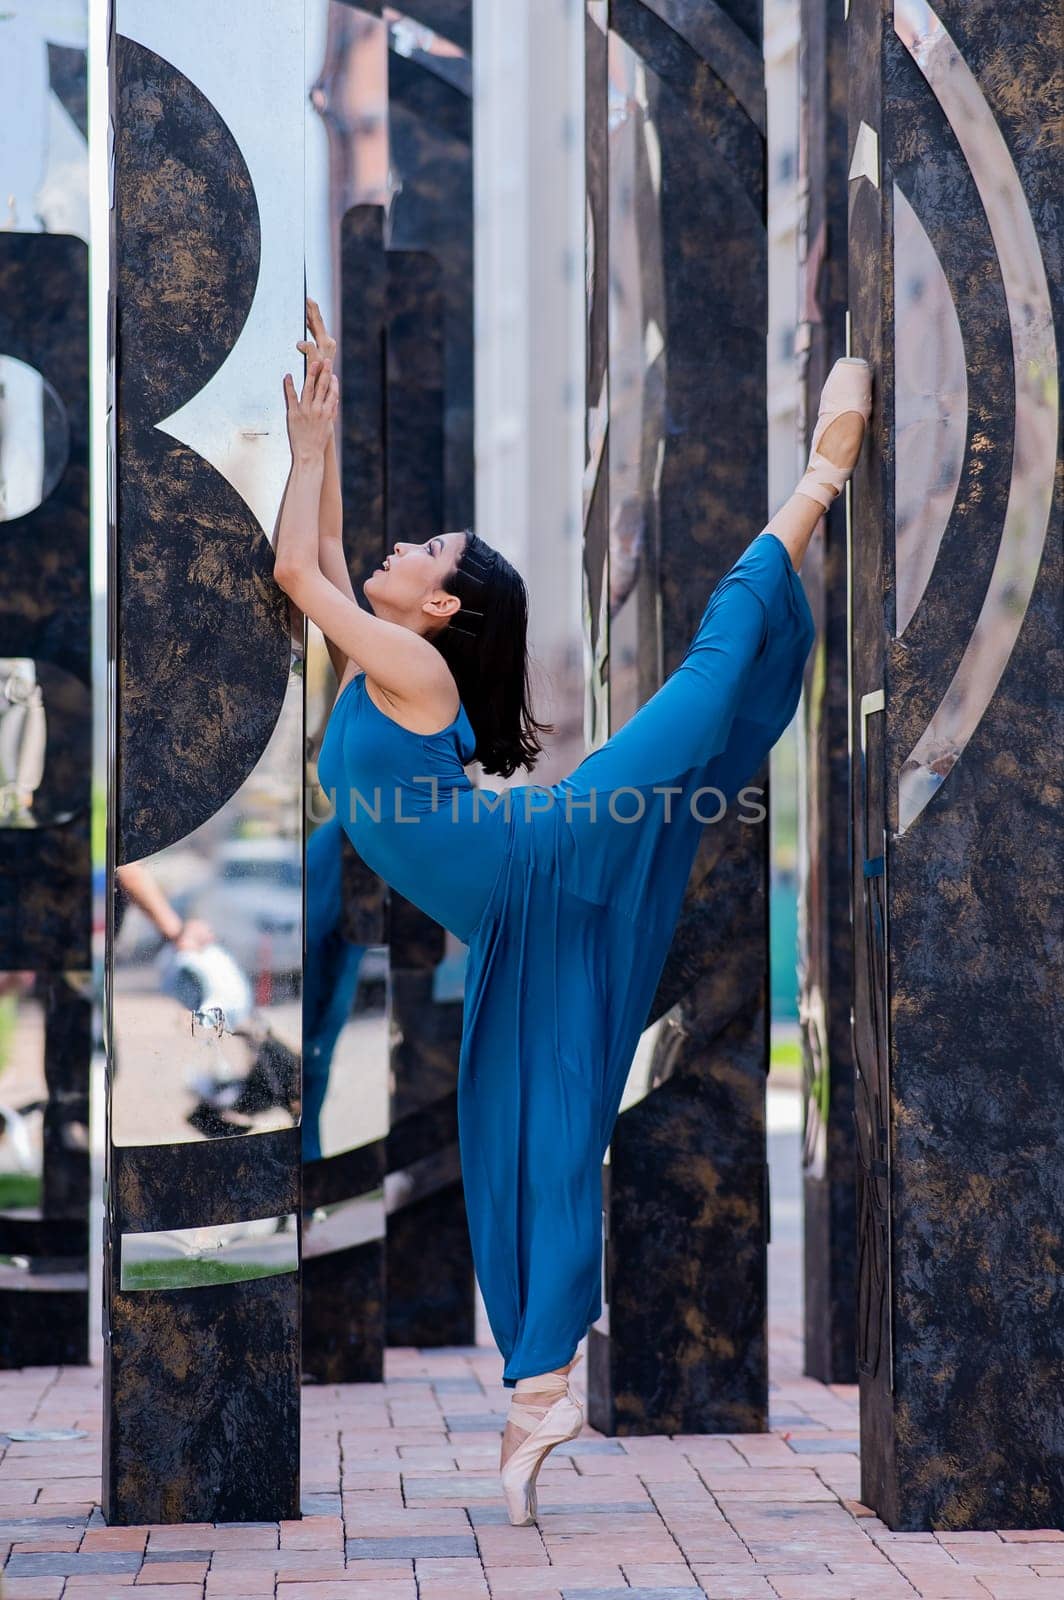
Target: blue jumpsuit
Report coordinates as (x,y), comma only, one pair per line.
(568,898)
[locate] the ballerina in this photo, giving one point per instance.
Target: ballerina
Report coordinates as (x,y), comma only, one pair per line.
(567,895)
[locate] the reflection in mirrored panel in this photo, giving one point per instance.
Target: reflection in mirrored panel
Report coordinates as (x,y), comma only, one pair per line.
(930,408)
(44,117)
(34,438)
(437,54)
(207,966)
(345,1020)
(45,734)
(347,153)
(195,1258)
(636,381)
(44,1133)
(344,1225)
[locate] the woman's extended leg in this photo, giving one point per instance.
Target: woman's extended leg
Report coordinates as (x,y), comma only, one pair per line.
(688,721)
(797,518)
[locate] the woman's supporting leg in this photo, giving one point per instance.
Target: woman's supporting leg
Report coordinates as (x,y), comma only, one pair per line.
(535,1395)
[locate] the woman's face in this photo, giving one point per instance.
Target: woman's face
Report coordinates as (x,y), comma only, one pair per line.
(412,574)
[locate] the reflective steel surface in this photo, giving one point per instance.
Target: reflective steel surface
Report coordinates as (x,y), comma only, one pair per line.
(194,1258)
(44,177)
(1036,417)
(637,368)
(44,1131)
(206,1029)
(34,438)
(45,709)
(45,724)
(930,408)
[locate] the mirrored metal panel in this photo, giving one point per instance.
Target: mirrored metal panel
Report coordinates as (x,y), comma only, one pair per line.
(637,381)
(204,1003)
(34,438)
(345,1023)
(930,408)
(1036,406)
(43,117)
(195,1258)
(345,1017)
(207,966)
(46,720)
(44,1158)
(45,734)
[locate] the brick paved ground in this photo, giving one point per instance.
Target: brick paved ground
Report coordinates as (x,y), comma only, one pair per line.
(401,1499)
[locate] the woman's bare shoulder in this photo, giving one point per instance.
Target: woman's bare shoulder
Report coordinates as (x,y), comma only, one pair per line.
(432,709)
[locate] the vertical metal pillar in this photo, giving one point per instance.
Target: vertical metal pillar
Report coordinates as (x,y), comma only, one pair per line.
(825,942)
(955,214)
(429,485)
(684,321)
(201,1251)
(346,1017)
(46,721)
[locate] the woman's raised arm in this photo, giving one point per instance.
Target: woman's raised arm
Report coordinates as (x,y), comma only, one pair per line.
(331,557)
(403,662)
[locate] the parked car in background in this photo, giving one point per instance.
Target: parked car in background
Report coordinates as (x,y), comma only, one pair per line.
(254,903)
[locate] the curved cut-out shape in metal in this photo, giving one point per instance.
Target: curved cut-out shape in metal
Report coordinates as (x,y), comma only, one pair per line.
(231,410)
(865,160)
(197,1258)
(930,408)
(1030,313)
(34,438)
(198,486)
(723,46)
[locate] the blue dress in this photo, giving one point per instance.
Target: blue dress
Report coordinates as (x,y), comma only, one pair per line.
(567,897)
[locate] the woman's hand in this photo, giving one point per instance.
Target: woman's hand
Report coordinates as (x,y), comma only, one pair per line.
(322,347)
(312,414)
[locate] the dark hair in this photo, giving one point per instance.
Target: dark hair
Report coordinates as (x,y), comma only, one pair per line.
(485,646)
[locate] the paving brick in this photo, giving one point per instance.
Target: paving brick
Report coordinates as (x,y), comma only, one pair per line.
(31,1588)
(1017,1586)
(67,1564)
(177,1591)
(99,1588)
(114,1539)
(362,1549)
(166,1572)
(676,1574)
(749,1588)
(23,1546)
(350,1589)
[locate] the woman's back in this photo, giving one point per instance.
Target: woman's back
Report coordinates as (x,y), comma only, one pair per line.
(409,808)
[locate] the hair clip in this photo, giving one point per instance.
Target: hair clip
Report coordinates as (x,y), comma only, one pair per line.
(468,611)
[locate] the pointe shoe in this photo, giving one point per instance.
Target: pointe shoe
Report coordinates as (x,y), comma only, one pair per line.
(847,387)
(561,1422)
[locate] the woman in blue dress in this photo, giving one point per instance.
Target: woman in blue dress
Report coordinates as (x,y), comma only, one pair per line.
(567,896)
